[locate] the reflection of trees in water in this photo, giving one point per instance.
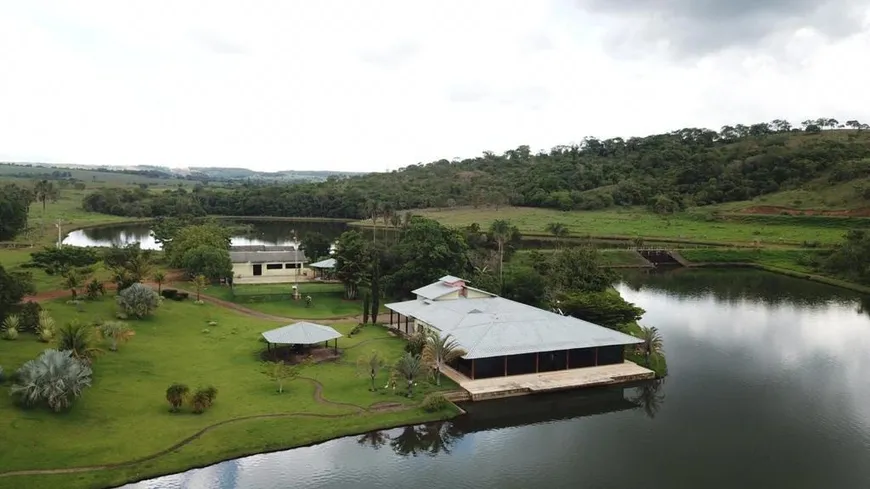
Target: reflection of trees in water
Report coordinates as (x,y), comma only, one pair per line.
(281,232)
(431,439)
(119,235)
(737,285)
(649,396)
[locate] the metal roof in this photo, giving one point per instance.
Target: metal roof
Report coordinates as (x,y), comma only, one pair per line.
(434,291)
(327,263)
(450,279)
(267,256)
(495,326)
(262,248)
(301,334)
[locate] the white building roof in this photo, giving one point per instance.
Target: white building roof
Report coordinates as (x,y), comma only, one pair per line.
(327,263)
(495,326)
(301,334)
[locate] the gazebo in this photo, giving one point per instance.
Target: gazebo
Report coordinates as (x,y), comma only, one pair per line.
(301,333)
(324,267)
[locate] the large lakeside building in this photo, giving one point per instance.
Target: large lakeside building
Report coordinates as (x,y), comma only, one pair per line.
(505,338)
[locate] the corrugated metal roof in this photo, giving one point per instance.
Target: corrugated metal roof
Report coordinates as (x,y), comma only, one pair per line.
(267,256)
(495,326)
(262,248)
(450,279)
(301,334)
(327,263)
(434,291)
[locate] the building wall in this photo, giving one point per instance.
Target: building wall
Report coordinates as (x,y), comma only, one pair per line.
(246,270)
(469,294)
(549,361)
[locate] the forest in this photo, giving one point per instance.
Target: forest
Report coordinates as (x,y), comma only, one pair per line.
(666,172)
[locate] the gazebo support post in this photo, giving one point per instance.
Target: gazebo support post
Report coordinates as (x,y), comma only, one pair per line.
(391,318)
(336,346)
(537,361)
(472,369)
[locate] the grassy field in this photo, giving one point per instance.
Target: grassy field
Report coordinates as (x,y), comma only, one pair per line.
(91,178)
(786,259)
(631,223)
(124,416)
(819,194)
(613,258)
(327,299)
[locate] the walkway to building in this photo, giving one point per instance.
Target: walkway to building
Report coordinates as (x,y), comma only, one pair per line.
(519,385)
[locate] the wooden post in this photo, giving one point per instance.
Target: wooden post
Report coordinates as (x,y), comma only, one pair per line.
(407,328)
(505,365)
(567,359)
(336,345)
(596,356)
(472,369)
(537,360)
(391,317)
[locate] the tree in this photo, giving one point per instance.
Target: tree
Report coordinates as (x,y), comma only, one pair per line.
(440,351)
(187,238)
(138,300)
(213,263)
(409,368)
(578,269)
(115,332)
(652,345)
(14,205)
(426,251)
(199,283)
(129,264)
(606,309)
(13,287)
(176,394)
(316,246)
(375,282)
(78,339)
(500,231)
(558,230)
(351,264)
(74,278)
(58,259)
(159,278)
(44,191)
(372,209)
(851,258)
(202,399)
(55,378)
(524,284)
(371,365)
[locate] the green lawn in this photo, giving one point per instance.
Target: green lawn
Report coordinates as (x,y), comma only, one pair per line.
(786,259)
(327,300)
(613,258)
(124,415)
(630,223)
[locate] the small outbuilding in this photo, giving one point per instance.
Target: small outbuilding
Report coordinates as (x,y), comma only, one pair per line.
(324,269)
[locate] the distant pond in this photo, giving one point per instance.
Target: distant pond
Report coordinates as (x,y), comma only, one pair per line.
(768,388)
(262,233)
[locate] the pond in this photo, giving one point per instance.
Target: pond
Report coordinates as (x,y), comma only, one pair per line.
(767,388)
(261,233)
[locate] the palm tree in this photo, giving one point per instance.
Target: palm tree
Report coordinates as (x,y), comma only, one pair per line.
(55,377)
(652,345)
(175,394)
(73,281)
(159,278)
(116,332)
(386,214)
(10,327)
(45,191)
(45,326)
(78,339)
(558,230)
(501,232)
(440,351)
(409,368)
(371,365)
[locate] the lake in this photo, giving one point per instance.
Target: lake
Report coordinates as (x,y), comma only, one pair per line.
(767,389)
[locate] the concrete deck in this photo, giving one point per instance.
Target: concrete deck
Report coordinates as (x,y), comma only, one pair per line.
(520,385)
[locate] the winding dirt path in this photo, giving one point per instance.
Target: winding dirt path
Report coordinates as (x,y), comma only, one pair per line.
(380,407)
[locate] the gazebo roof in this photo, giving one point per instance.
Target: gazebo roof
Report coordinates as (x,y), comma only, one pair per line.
(327,263)
(301,334)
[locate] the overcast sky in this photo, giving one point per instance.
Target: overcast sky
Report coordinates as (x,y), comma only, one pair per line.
(366,86)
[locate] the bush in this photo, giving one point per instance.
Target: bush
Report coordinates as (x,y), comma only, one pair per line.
(54,378)
(2,375)
(203,398)
(169,293)
(29,317)
(10,327)
(435,402)
(175,394)
(95,289)
(138,300)
(182,296)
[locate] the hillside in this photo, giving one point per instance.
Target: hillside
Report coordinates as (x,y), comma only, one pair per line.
(666,173)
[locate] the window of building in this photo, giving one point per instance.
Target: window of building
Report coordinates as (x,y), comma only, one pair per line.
(273,266)
(291,265)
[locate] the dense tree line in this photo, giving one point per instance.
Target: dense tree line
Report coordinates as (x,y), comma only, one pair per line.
(666,172)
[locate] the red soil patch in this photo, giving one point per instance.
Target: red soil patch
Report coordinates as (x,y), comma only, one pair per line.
(773,209)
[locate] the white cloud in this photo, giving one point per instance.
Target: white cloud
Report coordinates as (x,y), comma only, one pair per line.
(367,86)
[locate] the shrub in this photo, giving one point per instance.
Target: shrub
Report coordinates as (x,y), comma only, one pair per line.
(78,339)
(176,394)
(54,378)
(95,289)
(202,399)
(435,402)
(29,317)
(115,332)
(182,296)
(10,327)
(2,375)
(169,293)
(138,300)
(45,327)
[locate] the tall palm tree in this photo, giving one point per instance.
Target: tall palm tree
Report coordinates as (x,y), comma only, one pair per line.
(653,344)
(386,214)
(45,191)
(500,230)
(371,366)
(159,279)
(558,230)
(372,210)
(116,332)
(440,351)
(409,367)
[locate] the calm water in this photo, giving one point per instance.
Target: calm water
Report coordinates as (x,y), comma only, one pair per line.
(267,233)
(768,389)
